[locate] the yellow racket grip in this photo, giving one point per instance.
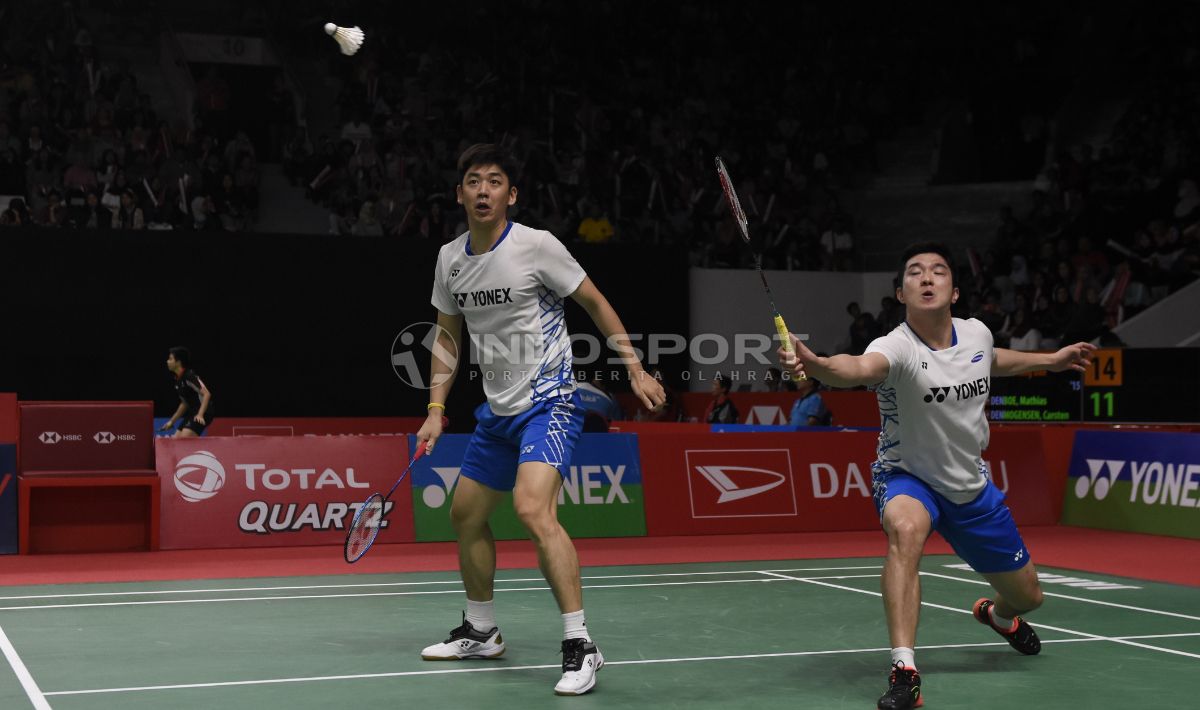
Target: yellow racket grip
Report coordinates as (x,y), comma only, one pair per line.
(786,338)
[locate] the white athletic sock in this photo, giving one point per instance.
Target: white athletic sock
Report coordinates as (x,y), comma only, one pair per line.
(481,615)
(574,626)
(903,655)
(999,621)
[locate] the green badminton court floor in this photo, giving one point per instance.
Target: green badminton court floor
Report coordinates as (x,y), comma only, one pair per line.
(774,634)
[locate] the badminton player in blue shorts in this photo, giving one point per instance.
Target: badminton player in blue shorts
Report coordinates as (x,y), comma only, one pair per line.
(508,283)
(932,376)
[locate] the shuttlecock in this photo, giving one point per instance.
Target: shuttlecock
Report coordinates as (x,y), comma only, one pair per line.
(348,38)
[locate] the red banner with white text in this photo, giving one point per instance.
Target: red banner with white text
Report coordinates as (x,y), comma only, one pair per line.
(269,491)
(850,408)
(801,482)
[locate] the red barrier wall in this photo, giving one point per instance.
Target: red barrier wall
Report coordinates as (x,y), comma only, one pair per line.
(314,426)
(255,491)
(8,418)
(800,482)
(86,436)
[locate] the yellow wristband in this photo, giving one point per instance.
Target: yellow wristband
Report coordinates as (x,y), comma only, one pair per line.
(431,405)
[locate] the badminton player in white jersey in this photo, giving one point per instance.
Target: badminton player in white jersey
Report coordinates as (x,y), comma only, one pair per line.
(932,375)
(508,283)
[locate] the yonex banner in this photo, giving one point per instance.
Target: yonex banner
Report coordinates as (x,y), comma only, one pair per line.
(257,491)
(1135,481)
(799,482)
(8,499)
(601,494)
(86,436)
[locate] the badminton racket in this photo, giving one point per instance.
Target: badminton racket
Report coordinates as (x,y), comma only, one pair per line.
(739,216)
(369,518)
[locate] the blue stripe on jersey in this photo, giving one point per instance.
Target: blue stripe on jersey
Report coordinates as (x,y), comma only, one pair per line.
(953,336)
(554,370)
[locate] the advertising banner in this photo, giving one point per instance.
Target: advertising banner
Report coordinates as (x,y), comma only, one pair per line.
(8,418)
(269,491)
(86,436)
(1135,481)
(8,499)
(601,494)
(800,482)
(314,426)
(854,408)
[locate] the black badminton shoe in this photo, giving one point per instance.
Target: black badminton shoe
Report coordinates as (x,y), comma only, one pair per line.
(904,689)
(1021,636)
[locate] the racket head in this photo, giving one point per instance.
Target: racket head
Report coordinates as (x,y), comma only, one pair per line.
(731,199)
(365,528)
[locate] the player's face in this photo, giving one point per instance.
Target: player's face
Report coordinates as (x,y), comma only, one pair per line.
(172,363)
(928,285)
(486,194)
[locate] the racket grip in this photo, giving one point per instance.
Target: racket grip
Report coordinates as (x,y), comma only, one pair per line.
(785,338)
(424,445)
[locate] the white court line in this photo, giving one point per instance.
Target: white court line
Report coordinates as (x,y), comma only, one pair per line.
(161,602)
(1073,598)
(368,585)
(36,696)
(966,611)
(495,669)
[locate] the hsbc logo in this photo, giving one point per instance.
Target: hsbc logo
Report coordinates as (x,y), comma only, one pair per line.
(107,437)
(767,414)
(740,483)
(53,437)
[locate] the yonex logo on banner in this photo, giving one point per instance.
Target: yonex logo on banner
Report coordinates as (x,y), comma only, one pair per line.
(1099,485)
(435,496)
(49,437)
(199,476)
(740,483)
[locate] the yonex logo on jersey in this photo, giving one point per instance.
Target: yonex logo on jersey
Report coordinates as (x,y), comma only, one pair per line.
(938,393)
(489,297)
(924,365)
(454,272)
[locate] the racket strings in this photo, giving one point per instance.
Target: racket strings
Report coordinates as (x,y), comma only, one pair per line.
(365,527)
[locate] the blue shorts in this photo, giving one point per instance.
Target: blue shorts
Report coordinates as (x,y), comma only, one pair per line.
(545,432)
(981,532)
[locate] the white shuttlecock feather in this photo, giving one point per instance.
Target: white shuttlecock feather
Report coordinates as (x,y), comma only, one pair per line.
(348,38)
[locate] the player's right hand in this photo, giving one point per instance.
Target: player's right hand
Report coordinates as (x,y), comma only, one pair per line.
(431,430)
(798,359)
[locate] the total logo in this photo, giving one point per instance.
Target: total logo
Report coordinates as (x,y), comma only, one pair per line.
(53,437)
(740,483)
(199,476)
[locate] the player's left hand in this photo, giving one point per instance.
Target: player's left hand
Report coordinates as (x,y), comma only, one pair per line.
(648,389)
(1073,357)
(199,419)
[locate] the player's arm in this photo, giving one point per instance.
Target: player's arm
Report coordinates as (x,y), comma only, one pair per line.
(443,366)
(836,370)
(1015,362)
(205,398)
(648,389)
(179,412)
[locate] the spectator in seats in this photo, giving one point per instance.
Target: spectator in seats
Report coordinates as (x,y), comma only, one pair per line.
(1021,333)
(195,399)
(863,329)
(721,410)
(357,130)
(837,246)
(772,381)
(1087,317)
(12,173)
(91,214)
(130,215)
(435,225)
(367,225)
(54,214)
(595,227)
(809,409)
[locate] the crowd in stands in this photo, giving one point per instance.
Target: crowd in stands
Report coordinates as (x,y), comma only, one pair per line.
(82,147)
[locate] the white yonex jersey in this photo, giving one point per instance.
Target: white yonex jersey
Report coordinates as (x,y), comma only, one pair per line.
(932,422)
(512,301)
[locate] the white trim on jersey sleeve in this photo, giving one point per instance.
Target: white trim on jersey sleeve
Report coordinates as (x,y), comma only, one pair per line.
(555,267)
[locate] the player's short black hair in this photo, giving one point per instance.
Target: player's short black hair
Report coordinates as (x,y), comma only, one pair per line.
(723,381)
(912,250)
(488,154)
(182,354)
